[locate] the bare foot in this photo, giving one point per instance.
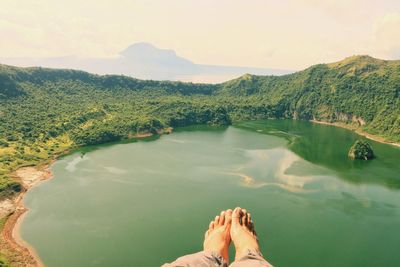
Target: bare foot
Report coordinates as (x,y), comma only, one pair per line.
(217,237)
(242,233)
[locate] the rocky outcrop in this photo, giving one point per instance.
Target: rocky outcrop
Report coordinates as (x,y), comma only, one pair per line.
(361,150)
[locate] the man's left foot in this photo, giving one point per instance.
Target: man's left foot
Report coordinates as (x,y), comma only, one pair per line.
(217,237)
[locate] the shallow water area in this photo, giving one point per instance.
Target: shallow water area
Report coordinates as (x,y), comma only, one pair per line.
(146,203)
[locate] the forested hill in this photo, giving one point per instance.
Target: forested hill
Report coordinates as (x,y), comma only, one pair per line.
(360,89)
(44,112)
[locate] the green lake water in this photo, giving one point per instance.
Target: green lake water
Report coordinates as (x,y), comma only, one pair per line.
(148,202)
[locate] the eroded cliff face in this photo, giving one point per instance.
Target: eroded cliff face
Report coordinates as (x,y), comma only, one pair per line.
(349,118)
(327,116)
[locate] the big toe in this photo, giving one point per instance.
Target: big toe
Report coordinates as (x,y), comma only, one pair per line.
(228,216)
(236,215)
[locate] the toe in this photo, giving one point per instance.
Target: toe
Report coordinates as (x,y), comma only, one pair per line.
(251,224)
(228,216)
(244,218)
(236,215)
(216,221)
(244,212)
(249,220)
(211,226)
(222,218)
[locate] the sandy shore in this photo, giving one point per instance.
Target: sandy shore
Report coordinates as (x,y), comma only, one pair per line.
(358,131)
(17,251)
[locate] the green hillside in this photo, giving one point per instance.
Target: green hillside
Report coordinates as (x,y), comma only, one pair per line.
(45,112)
(360,90)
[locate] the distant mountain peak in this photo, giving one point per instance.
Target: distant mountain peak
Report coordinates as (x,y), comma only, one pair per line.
(142,44)
(136,48)
(147,50)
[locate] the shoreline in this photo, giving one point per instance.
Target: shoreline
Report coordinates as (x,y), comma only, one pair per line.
(18,251)
(21,242)
(357,131)
(21,253)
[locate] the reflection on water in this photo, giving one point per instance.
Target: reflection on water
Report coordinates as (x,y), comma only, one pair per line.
(145,203)
(72,164)
(272,168)
(328,146)
(353,206)
(115,170)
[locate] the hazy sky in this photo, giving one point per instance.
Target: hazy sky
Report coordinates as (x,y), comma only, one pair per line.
(290,34)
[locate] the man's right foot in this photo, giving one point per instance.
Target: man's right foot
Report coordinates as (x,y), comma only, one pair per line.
(243,234)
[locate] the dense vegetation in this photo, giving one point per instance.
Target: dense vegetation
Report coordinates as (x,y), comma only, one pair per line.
(44,112)
(361,150)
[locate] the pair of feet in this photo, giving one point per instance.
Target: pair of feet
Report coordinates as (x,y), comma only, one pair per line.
(235,226)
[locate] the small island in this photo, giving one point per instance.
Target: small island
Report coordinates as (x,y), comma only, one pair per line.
(361,150)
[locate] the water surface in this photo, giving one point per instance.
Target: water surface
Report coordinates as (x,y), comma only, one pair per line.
(148,202)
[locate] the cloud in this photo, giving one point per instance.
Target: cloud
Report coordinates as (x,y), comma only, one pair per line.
(341,10)
(288,34)
(386,41)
